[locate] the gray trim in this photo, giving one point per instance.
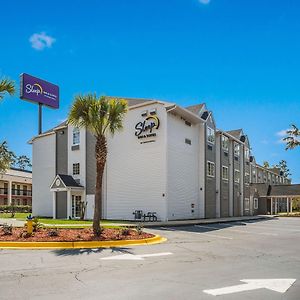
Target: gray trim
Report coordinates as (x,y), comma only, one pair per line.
(61,160)
(90,163)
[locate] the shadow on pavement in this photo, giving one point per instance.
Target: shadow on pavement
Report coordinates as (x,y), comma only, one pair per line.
(73,252)
(205,228)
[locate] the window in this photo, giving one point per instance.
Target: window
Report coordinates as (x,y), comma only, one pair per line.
(76,136)
(247,204)
(247,178)
(188,141)
(237,176)
(255,203)
(236,149)
(210,135)
(224,173)
(247,154)
(225,143)
(76,169)
(210,169)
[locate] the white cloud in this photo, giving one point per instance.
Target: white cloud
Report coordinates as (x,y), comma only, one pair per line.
(265,142)
(40,41)
(204,1)
(282,133)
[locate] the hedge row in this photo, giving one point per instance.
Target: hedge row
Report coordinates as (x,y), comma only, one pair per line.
(15,208)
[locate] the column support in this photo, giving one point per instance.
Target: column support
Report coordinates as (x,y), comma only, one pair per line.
(54,205)
(287,204)
(271,206)
(291,205)
(9,193)
(276,202)
(69,210)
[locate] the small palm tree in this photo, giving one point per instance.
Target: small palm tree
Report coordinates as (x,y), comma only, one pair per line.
(293,138)
(100,116)
(6,86)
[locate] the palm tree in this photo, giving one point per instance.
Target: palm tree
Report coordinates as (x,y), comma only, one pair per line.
(293,138)
(100,116)
(6,86)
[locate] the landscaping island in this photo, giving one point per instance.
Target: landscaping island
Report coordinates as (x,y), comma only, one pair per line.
(72,235)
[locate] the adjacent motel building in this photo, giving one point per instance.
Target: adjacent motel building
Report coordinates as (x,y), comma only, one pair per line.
(16,187)
(168,159)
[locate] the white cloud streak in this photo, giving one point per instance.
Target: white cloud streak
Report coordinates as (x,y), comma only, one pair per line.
(204,1)
(40,41)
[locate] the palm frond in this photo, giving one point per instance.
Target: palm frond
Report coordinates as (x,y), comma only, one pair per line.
(6,86)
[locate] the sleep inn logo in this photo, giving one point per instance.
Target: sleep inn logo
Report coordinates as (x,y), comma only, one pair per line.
(147,127)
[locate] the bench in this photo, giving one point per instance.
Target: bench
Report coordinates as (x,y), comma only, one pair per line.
(151,216)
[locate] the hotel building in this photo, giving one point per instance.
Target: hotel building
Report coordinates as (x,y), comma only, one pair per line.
(16,187)
(168,159)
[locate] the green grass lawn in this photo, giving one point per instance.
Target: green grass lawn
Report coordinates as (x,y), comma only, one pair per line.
(50,221)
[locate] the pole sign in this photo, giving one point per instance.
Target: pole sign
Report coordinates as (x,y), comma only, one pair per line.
(39,91)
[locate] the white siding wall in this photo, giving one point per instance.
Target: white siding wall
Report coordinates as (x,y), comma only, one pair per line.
(183,169)
(43,172)
(136,173)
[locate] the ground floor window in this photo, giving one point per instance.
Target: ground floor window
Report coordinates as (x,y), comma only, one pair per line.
(255,203)
(247,204)
(76,206)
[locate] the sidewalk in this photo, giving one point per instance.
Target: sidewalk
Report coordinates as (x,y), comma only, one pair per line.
(18,223)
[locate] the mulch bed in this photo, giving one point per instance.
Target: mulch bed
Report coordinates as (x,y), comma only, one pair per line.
(72,235)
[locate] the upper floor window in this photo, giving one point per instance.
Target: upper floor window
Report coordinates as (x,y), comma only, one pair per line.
(237,176)
(247,178)
(225,173)
(76,169)
(236,149)
(76,136)
(225,143)
(247,153)
(210,135)
(210,169)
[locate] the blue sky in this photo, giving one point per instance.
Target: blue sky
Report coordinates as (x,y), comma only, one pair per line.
(240,57)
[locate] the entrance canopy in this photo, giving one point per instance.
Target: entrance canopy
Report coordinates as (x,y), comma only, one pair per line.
(64,183)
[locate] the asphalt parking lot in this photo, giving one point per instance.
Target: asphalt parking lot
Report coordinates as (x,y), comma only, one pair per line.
(195,263)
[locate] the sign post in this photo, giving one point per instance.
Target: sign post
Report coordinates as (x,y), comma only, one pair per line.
(39,91)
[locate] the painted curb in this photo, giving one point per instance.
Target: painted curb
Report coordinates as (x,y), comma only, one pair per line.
(157,239)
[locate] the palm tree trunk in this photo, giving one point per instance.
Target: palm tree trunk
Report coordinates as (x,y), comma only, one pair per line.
(101,154)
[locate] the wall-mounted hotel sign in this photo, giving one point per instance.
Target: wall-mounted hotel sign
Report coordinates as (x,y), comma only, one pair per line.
(147,128)
(39,91)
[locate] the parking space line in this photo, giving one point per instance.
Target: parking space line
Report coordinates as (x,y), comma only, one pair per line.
(200,233)
(215,235)
(237,230)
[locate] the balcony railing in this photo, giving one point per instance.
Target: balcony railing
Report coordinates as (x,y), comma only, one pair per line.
(16,192)
(3,191)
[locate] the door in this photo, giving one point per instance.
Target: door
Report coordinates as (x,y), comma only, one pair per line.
(76,206)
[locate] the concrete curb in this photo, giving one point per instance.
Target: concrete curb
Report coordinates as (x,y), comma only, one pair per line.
(157,239)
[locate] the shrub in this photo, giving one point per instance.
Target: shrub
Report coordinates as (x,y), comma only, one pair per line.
(53,232)
(139,228)
(15,208)
(36,225)
(125,231)
(7,229)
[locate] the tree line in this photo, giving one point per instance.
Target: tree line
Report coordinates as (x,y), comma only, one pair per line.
(8,158)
